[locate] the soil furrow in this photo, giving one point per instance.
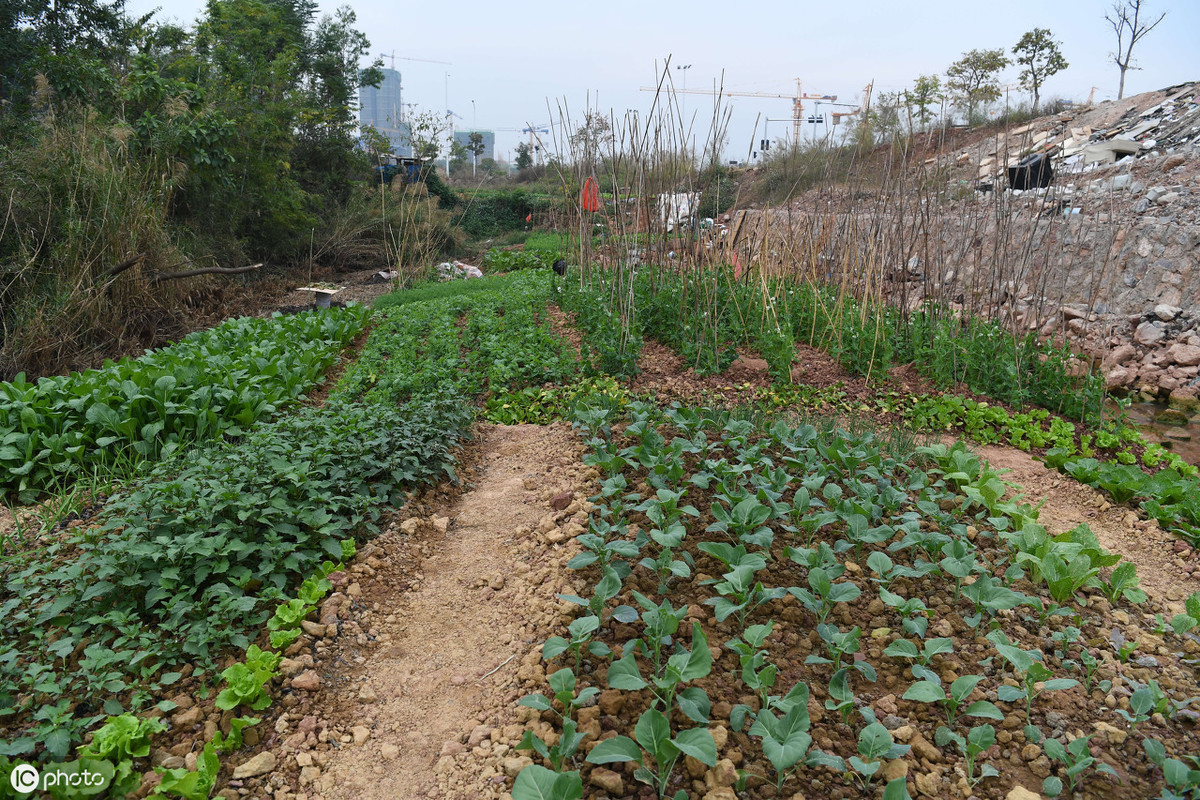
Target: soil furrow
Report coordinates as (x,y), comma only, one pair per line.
(423,703)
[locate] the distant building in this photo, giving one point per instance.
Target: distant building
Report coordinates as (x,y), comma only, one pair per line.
(383,109)
(489,142)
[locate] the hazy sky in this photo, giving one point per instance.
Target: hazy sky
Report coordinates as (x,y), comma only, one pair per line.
(511,58)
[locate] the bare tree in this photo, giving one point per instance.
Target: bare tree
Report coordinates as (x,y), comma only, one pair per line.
(1125,22)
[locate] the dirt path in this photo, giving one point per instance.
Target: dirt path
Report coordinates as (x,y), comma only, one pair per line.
(1158,555)
(453,605)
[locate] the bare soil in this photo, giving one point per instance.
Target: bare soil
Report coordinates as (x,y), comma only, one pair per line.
(451,608)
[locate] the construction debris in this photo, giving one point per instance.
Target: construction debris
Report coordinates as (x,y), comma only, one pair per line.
(1083,139)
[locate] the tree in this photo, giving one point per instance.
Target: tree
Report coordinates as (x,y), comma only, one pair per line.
(1041,57)
(882,122)
(458,157)
(475,147)
(425,133)
(325,158)
(524,158)
(65,40)
(590,139)
(488,166)
(926,92)
(1125,22)
(973,78)
(374,143)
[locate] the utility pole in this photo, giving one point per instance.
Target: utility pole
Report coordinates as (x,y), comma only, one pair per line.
(450,122)
(683,68)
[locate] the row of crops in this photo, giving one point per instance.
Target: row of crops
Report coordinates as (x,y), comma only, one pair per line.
(706,316)
(846,624)
(210,383)
(210,547)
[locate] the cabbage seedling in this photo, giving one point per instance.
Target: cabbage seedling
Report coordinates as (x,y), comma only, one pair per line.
(652,737)
(977,740)
(931,691)
(562,683)
(535,782)
(1076,758)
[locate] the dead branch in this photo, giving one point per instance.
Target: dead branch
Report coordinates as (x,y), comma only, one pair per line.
(191,273)
(119,268)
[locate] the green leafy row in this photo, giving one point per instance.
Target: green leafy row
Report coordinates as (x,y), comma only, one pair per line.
(212,542)
(495,338)
(210,383)
(1106,459)
(500,260)
(193,559)
(707,314)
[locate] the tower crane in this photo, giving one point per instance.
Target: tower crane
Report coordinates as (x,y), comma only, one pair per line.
(797,100)
(862,109)
(532,130)
(392,55)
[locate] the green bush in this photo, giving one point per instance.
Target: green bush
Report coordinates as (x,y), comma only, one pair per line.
(493,212)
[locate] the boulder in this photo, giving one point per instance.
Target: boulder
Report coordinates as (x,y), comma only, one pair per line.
(261,764)
(1120,355)
(1117,377)
(1167,312)
(1147,334)
(1185,355)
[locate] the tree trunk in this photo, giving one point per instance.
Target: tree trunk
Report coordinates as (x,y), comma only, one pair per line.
(1121,88)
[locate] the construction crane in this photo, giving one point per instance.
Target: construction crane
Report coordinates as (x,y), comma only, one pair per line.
(862,109)
(392,55)
(532,130)
(797,100)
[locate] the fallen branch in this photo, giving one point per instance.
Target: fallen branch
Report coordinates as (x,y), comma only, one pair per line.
(191,273)
(119,268)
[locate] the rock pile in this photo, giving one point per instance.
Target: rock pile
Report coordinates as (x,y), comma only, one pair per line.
(1161,357)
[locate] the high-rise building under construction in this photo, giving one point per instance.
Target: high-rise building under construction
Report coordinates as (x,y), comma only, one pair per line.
(383,109)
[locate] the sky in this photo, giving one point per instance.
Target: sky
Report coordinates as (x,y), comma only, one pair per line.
(515,64)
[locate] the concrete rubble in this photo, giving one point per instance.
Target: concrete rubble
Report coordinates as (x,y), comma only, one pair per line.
(1084,139)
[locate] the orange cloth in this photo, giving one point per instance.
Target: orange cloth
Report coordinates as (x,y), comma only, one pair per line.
(590,198)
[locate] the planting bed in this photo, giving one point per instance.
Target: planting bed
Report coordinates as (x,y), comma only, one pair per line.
(884,588)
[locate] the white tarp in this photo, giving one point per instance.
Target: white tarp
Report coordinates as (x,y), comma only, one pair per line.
(676,209)
(458,270)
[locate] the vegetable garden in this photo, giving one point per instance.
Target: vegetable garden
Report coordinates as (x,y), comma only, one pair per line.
(774,607)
